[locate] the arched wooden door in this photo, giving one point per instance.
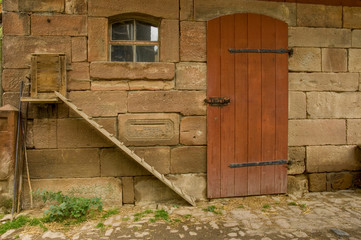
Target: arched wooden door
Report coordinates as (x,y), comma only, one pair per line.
(247,138)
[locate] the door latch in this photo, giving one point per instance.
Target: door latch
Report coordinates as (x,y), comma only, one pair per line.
(217,101)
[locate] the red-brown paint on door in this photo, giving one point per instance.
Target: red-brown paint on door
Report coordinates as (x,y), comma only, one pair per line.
(253,126)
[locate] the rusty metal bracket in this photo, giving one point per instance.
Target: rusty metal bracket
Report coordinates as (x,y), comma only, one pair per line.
(217,101)
(254,164)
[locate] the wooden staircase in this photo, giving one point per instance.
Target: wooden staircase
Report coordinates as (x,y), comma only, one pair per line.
(125,149)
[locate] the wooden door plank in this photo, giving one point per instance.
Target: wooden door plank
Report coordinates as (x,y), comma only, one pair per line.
(213,113)
(227,112)
(268,104)
(282,107)
(254,104)
(241,106)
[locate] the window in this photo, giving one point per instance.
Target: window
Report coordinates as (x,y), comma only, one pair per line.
(134,41)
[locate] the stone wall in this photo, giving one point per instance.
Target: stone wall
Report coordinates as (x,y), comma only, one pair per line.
(157,108)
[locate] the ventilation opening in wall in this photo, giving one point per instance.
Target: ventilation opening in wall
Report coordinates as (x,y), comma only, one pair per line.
(48,74)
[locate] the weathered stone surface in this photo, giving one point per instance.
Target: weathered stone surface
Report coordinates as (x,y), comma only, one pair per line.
(339,181)
(76,6)
(157,8)
(148,129)
(334,60)
(185,102)
(169,39)
(4,187)
(11,98)
(78,77)
(297,185)
(193,130)
(151,85)
(109,85)
(193,41)
(317,182)
(100,103)
(78,85)
(323,81)
(6,154)
(150,189)
(189,160)
(296,156)
(351,17)
(45,133)
(63,163)
(319,37)
(16,23)
(58,25)
(126,70)
(10,5)
(193,184)
(41,5)
(354,59)
(159,157)
(334,105)
(297,105)
(356,38)
(208,9)
(97,39)
(191,76)
(310,15)
(128,189)
(354,131)
(332,159)
(17,50)
(316,132)
(79,48)
(186,9)
(11,79)
(75,133)
(109,189)
(305,60)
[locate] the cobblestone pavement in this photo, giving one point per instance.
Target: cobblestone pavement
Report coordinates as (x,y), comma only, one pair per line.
(335,215)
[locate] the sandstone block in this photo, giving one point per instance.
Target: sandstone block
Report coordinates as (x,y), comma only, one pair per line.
(109,189)
(4,187)
(169,39)
(191,76)
(126,70)
(296,156)
(351,17)
(150,189)
(75,133)
(148,129)
(334,105)
(78,77)
(354,131)
(78,85)
(193,41)
(316,132)
(186,10)
(97,39)
(151,85)
(185,102)
(339,181)
(128,189)
(11,79)
(7,154)
(41,5)
(297,105)
(45,133)
(319,37)
(193,184)
(208,9)
(63,163)
(332,159)
(158,157)
(16,23)
(76,6)
(305,60)
(11,98)
(193,130)
(157,8)
(10,5)
(189,160)
(354,59)
(323,81)
(79,48)
(356,38)
(317,182)
(310,15)
(334,60)
(58,25)
(297,185)
(17,50)
(110,85)
(100,103)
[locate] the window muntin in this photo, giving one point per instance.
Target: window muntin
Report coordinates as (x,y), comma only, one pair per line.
(134,41)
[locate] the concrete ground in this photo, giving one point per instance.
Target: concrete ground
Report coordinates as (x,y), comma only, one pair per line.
(328,215)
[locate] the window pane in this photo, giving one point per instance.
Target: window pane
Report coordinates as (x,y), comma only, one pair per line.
(147,53)
(146,32)
(122,53)
(123,31)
